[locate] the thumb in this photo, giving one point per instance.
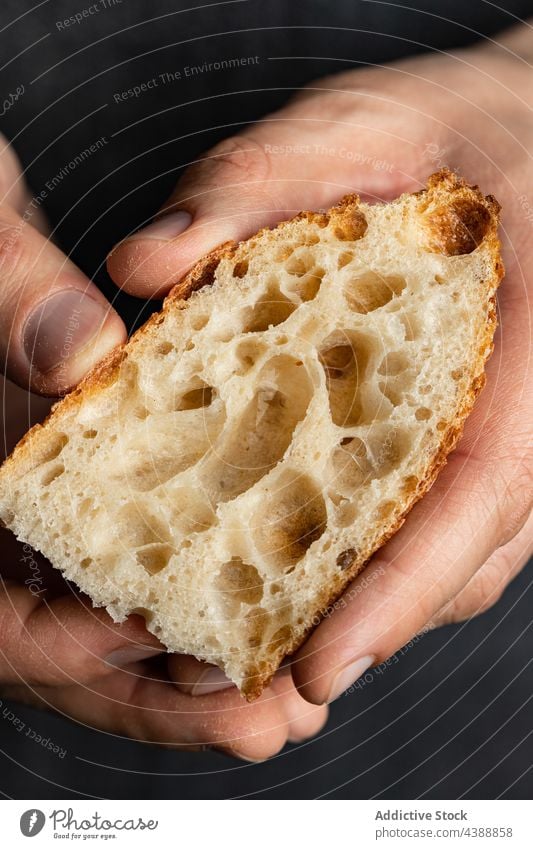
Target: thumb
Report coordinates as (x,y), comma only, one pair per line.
(239,186)
(54,322)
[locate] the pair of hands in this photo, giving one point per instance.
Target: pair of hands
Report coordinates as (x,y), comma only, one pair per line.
(376,131)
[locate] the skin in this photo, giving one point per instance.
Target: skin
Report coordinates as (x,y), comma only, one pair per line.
(460,546)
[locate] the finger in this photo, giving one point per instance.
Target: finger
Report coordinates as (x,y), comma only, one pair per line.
(131,703)
(304,719)
(251,181)
(64,641)
(486,587)
(196,678)
(54,322)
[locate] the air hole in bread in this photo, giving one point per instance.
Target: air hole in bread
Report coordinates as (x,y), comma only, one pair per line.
(248,352)
(271,309)
(393,364)
(410,484)
(350,466)
(164,348)
(284,252)
(344,259)
(255,444)
(146,614)
(300,263)
(346,558)
(150,458)
(457,374)
(51,473)
(238,583)
(293,518)
(256,621)
(305,288)
(370,291)
(280,637)
(344,358)
(85,507)
(240,269)
(345,513)
(191,511)
(46,452)
(385,509)
(391,392)
(387,446)
(140,412)
(90,434)
(198,322)
(195,399)
(154,558)
(423,414)
(411,326)
(86,562)
(134,527)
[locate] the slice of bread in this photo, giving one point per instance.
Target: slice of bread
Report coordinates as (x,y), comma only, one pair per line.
(231,469)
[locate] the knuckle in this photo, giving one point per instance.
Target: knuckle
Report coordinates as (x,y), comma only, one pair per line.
(237,161)
(519,504)
(487,589)
(11,251)
(482,592)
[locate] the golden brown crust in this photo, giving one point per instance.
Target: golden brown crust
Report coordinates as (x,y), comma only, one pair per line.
(457,218)
(201,274)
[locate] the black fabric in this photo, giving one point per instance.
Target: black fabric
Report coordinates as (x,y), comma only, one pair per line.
(449,717)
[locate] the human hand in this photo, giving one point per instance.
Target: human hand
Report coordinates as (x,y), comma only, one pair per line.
(55,649)
(379,132)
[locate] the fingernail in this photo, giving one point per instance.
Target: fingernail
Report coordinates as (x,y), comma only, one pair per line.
(61,326)
(129,654)
(211,681)
(348,675)
(165,228)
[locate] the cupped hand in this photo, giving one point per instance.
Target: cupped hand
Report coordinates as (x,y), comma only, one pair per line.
(379,132)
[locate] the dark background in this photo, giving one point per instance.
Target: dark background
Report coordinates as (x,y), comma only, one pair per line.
(451,717)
